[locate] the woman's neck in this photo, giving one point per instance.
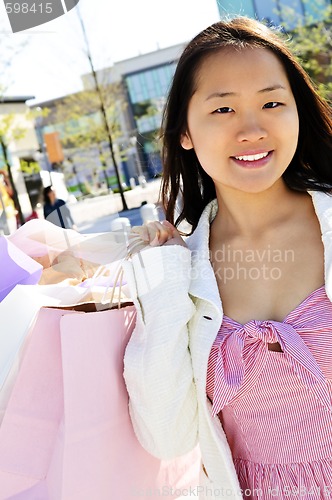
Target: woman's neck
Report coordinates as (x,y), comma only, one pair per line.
(250,215)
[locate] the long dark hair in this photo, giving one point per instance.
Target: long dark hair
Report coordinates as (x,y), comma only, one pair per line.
(46,194)
(311,166)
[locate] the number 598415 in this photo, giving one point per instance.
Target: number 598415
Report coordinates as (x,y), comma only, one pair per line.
(25,8)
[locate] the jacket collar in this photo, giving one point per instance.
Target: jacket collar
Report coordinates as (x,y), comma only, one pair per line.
(204,284)
(323,206)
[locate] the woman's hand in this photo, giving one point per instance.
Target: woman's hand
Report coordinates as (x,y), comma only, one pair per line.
(154,234)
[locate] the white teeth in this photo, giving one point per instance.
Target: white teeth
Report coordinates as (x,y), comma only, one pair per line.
(252,157)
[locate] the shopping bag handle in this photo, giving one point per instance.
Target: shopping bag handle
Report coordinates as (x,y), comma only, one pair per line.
(133,245)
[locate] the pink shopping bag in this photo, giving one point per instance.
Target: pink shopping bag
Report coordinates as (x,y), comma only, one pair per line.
(66,433)
(31,420)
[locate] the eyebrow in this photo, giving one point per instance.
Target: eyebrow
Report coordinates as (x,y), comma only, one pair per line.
(262,91)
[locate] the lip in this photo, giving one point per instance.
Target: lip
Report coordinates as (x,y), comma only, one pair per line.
(249,152)
(255,163)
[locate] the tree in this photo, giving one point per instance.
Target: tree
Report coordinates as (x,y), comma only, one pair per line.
(102,106)
(82,124)
(11,129)
(312,42)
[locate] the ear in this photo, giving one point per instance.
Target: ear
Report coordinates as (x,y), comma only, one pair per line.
(186,142)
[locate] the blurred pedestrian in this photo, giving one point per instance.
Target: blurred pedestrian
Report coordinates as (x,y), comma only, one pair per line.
(56,210)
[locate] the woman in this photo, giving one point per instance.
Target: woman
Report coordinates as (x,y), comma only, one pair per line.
(56,210)
(232,346)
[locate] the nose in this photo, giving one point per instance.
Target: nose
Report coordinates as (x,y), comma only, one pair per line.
(251,130)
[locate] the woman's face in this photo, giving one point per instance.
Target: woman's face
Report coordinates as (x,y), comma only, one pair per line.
(242,119)
(52,196)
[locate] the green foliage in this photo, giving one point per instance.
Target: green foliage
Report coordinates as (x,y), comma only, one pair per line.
(117,190)
(13,125)
(312,43)
(10,128)
(80,118)
(29,168)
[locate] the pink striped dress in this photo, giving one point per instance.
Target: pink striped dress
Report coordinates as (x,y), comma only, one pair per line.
(275,407)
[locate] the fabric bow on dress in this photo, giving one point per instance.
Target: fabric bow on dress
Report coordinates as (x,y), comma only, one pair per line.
(243,353)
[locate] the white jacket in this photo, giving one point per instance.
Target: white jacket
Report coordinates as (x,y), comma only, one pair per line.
(179,313)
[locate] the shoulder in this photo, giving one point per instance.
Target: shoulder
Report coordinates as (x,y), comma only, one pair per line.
(60,203)
(323,207)
(198,241)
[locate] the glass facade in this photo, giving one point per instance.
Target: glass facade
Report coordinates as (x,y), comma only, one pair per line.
(147,91)
(236,7)
(286,12)
(149,84)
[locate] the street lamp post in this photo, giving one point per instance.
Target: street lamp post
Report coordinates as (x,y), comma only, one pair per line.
(102,109)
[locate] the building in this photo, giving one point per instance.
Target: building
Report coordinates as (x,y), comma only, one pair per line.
(285,12)
(68,142)
(145,80)
(141,83)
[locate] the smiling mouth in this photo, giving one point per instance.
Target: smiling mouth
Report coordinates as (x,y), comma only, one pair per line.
(255,160)
(256,157)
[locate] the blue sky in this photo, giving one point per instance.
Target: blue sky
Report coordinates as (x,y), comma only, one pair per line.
(51,62)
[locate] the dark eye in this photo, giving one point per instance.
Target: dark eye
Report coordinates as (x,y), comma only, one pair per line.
(223,110)
(271,105)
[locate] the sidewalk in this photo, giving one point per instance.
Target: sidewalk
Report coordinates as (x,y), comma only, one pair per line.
(94,215)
